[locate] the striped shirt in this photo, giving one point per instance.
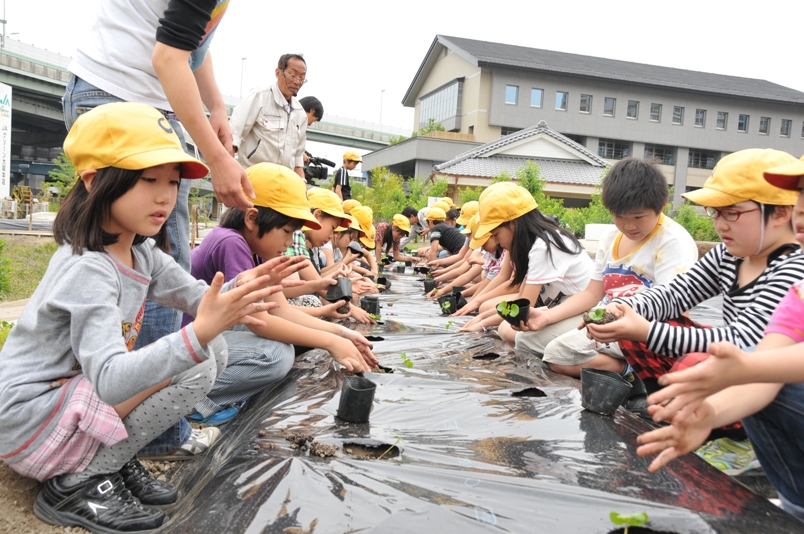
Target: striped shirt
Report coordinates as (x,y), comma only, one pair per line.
(746,310)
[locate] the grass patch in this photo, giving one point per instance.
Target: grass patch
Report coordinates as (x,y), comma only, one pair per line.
(5,328)
(28,259)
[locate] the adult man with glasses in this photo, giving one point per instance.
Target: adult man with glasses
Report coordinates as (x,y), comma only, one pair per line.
(270,124)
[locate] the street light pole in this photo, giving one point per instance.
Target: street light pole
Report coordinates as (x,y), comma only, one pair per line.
(382,94)
(242,64)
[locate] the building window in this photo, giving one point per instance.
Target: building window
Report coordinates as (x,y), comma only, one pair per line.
(633,109)
(508,130)
(787,125)
(656,112)
(586,104)
(659,154)
(511,93)
(561,100)
(608,106)
(442,104)
(742,123)
(764,125)
(612,149)
(701,159)
(536,97)
(678,115)
(722,120)
(700,118)
(581,140)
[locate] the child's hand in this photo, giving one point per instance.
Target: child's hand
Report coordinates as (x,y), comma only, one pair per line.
(326,281)
(276,270)
(471,306)
(363,345)
(687,389)
(220,311)
(361,316)
(538,318)
(434,294)
(331,311)
(629,325)
(676,440)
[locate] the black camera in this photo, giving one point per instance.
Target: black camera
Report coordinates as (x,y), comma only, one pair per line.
(315,170)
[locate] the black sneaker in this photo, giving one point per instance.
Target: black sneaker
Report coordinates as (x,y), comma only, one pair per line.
(637,400)
(101,504)
(141,483)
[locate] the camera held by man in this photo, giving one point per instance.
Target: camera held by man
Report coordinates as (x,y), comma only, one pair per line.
(314,168)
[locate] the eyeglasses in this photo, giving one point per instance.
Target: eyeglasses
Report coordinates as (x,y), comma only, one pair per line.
(295,77)
(728,214)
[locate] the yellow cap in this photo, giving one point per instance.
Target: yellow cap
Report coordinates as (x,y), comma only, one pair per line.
(127,136)
(349,204)
(282,190)
(468,211)
(402,222)
(368,239)
(352,156)
(448,201)
(786,176)
(740,176)
(435,214)
(441,205)
(503,202)
(328,202)
(353,225)
(365,218)
(477,241)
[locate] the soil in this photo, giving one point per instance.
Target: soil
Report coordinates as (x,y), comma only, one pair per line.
(323,450)
(343,309)
(607,318)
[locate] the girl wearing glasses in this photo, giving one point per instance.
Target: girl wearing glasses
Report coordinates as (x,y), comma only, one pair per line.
(753,267)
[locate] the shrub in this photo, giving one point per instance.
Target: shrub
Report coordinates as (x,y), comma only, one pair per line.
(5,269)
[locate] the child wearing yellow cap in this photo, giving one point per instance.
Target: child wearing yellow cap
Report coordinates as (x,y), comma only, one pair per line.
(262,355)
(388,236)
(77,402)
(764,389)
(549,263)
(342,187)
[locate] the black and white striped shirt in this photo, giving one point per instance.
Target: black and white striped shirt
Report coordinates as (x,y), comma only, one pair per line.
(746,310)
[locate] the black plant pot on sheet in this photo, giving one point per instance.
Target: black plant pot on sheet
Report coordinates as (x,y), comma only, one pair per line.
(448,304)
(383,281)
(408,264)
(514,311)
(429,284)
(461,302)
(371,304)
(400,269)
(421,269)
(603,391)
(357,396)
(342,290)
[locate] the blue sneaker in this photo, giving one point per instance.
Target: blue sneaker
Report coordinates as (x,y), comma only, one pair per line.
(218,418)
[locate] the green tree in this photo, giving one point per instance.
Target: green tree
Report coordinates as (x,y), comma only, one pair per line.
(62,178)
(431,126)
(504,176)
(468,194)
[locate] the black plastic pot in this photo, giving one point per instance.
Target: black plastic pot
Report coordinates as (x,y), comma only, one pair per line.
(421,269)
(524,310)
(458,289)
(357,396)
(386,261)
(383,281)
(408,264)
(429,284)
(453,304)
(355,247)
(371,304)
(602,391)
(400,269)
(342,290)
(460,300)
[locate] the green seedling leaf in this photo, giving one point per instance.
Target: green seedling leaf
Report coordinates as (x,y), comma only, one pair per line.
(629,520)
(449,323)
(597,314)
(513,310)
(408,363)
(506,309)
(374,316)
(445,305)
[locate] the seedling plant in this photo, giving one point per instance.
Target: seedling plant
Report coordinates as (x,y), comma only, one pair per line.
(405,360)
(449,323)
(596,315)
(629,520)
(508,310)
(398,439)
(374,316)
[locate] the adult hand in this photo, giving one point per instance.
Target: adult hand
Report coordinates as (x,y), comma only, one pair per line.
(538,318)
(276,270)
(362,344)
(686,390)
(361,316)
(220,311)
(629,325)
(676,440)
(331,311)
(230,183)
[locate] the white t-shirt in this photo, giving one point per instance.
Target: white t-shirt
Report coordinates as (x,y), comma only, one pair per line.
(667,252)
(560,275)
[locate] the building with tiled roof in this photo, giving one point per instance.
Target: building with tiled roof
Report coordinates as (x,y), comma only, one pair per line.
(683,120)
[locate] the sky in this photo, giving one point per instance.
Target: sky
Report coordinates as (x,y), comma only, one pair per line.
(362,56)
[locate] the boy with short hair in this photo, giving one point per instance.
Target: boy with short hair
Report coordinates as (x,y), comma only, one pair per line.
(342,186)
(445,240)
(646,249)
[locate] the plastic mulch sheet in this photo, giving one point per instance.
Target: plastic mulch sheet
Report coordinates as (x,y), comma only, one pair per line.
(473,438)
